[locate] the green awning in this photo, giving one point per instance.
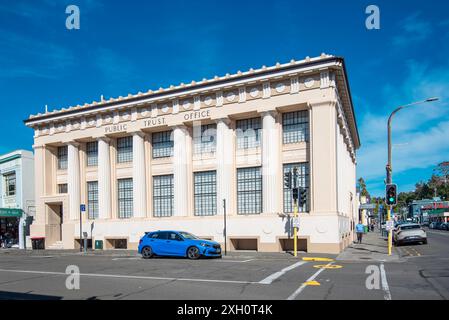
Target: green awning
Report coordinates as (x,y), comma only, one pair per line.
(437,212)
(11,213)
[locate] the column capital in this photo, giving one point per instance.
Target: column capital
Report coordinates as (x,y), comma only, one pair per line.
(73,144)
(272,113)
(138,133)
(225,120)
(104,139)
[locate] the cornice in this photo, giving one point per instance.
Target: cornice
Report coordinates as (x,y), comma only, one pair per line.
(193,89)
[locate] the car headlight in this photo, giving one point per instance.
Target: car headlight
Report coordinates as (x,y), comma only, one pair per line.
(203,244)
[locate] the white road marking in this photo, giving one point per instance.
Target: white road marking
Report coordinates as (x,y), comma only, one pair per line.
(274,276)
(304,285)
(139,258)
(237,261)
(100,275)
(385,288)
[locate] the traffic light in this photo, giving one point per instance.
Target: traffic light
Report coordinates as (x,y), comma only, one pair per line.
(288,180)
(302,196)
(391,195)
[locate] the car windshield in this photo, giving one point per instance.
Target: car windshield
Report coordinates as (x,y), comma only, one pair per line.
(187,235)
(410,227)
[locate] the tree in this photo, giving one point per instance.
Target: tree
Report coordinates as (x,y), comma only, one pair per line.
(442,172)
(362,188)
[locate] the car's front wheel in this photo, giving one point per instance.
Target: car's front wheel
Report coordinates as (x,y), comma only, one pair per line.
(193,253)
(147,252)
(425,241)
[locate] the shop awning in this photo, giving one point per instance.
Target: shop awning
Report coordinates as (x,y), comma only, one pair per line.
(11,213)
(439,213)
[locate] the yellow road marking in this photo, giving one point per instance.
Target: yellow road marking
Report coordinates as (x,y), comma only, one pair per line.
(331,266)
(312,283)
(317,259)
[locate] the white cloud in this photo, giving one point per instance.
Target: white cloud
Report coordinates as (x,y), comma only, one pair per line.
(413,30)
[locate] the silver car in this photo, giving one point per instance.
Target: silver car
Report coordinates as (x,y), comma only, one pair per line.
(409,233)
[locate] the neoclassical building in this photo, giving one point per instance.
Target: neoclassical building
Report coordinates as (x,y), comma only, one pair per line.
(180,158)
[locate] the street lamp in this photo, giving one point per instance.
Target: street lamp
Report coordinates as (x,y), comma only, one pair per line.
(389,165)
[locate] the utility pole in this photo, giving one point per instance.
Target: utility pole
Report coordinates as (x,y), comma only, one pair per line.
(389,164)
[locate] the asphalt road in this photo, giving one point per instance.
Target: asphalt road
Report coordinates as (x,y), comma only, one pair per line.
(422,274)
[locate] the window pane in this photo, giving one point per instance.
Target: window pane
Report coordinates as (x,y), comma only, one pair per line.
(62,188)
(303,181)
(205,191)
(92,199)
(10,184)
(92,153)
(248,133)
(162,144)
(125,198)
(204,138)
(163,196)
(125,149)
(295,127)
(62,158)
(249,190)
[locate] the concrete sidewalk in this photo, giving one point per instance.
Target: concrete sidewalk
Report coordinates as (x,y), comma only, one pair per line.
(374,248)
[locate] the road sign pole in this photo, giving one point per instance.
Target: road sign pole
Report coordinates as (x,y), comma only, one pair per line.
(81,230)
(224,229)
(389,231)
(295,232)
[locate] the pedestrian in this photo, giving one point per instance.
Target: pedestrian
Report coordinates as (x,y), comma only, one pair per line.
(372,226)
(360,230)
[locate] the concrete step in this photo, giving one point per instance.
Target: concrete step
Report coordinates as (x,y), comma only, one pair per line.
(58,245)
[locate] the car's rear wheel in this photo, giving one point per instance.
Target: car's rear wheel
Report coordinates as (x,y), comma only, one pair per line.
(193,253)
(147,252)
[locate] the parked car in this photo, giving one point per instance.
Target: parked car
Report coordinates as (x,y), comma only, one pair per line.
(177,243)
(425,224)
(434,225)
(444,226)
(409,233)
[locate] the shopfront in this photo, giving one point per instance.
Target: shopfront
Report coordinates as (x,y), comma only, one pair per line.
(10,232)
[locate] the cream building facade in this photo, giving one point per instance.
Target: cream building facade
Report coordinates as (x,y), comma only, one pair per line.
(170,159)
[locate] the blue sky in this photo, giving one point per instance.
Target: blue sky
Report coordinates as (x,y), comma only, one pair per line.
(135,45)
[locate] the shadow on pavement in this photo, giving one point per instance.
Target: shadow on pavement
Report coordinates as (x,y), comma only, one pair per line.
(6,295)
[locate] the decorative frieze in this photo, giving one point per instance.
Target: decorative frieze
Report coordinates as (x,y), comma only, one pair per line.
(242,94)
(324,76)
(219,98)
(196,103)
(266,90)
(175,106)
(294,85)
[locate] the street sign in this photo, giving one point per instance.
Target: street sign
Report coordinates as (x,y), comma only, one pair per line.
(295,222)
(83,208)
(389,226)
(367,206)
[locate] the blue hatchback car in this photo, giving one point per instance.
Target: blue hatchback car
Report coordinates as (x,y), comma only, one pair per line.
(177,243)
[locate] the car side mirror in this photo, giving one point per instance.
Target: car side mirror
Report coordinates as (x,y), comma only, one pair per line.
(179,239)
